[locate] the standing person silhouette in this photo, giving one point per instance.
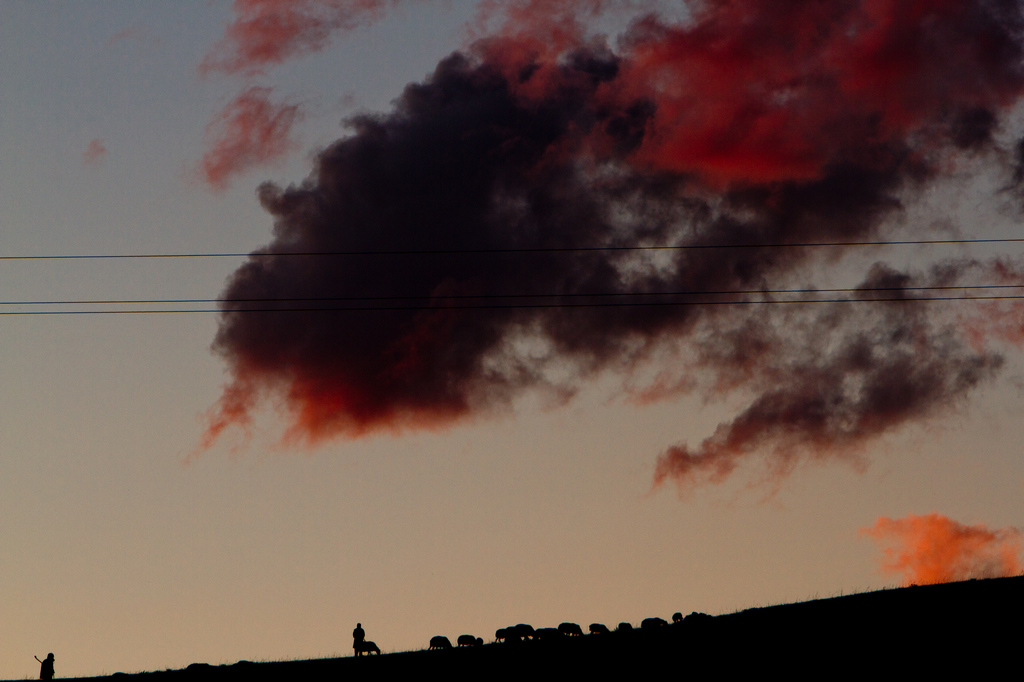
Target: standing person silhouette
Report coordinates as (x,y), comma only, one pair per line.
(358,635)
(45,667)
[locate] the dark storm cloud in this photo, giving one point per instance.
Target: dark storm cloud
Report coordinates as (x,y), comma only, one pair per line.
(713,133)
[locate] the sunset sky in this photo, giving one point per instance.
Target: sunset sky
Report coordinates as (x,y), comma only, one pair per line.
(181,487)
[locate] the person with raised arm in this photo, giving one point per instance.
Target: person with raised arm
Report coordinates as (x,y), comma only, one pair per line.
(45,667)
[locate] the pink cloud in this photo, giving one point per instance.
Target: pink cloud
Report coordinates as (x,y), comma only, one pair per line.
(250,131)
(267,32)
(94,153)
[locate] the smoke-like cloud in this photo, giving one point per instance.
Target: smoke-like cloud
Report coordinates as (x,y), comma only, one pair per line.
(936,549)
(264,33)
(94,152)
(251,130)
(851,372)
(754,123)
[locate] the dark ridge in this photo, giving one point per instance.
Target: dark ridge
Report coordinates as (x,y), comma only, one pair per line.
(972,626)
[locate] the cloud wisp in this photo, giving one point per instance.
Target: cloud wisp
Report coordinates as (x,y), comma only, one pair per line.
(265,33)
(95,152)
(251,130)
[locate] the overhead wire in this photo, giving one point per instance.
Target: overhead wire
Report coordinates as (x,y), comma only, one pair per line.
(309,299)
(557,249)
(460,301)
(510,306)
(503,307)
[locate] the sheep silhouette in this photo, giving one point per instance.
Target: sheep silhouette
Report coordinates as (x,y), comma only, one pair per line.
(547,634)
(515,633)
(440,642)
(366,647)
(648,623)
(469,640)
(677,617)
(524,631)
(570,630)
(623,627)
(598,629)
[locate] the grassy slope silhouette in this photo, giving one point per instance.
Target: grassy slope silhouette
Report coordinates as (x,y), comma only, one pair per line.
(967,627)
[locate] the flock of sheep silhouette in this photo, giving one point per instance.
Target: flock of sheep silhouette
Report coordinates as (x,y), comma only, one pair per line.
(523,632)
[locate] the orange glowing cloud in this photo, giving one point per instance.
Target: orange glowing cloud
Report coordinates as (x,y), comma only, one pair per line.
(250,131)
(936,549)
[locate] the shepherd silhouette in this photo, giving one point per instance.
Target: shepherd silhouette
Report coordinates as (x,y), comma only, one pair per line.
(358,635)
(45,667)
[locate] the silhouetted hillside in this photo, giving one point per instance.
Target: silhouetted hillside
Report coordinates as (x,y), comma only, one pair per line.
(968,627)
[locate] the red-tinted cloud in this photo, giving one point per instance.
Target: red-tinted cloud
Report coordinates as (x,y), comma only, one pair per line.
(774,90)
(250,131)
(268,32)
(935,549)
(551,26)
(95,152)
(755,123)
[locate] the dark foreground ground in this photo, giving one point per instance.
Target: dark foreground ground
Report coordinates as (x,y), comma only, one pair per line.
(969,628)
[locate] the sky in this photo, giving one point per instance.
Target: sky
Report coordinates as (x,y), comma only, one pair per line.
(551,421)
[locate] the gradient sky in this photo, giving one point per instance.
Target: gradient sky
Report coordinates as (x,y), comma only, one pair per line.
(117,554)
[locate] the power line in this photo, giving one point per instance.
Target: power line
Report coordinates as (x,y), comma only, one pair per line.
(900,299)
(328,299)
(565,249)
